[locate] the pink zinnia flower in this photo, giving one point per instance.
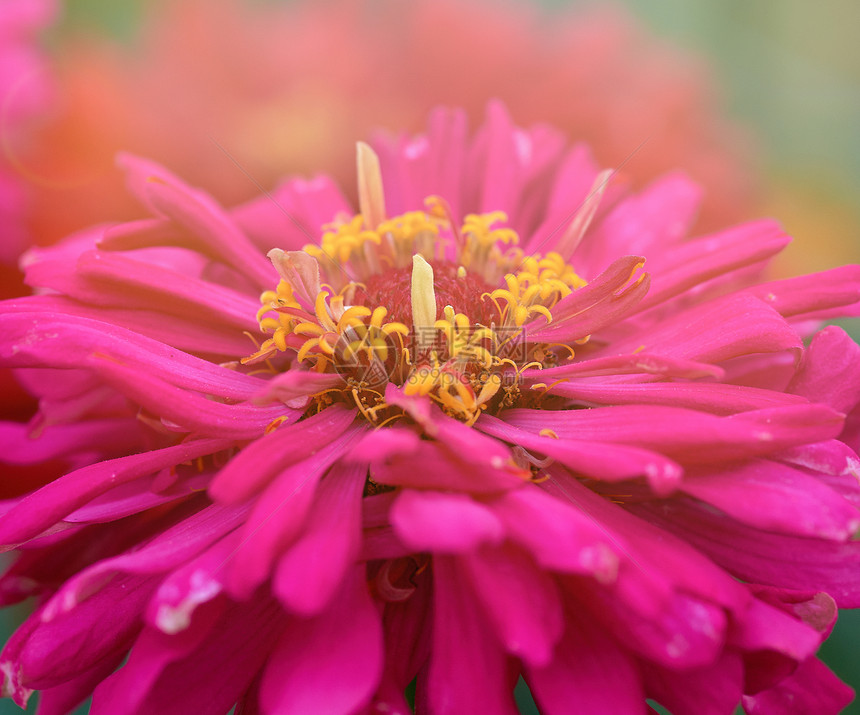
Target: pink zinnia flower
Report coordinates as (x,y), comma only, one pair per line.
(472,439)
(271,84)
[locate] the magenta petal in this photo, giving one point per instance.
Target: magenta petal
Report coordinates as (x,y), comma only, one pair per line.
(168,550)
(196,582)
(63,699)
(192,412)
(760,557)
(112,280)
(279,515)
(829,294)
(41,338)
(308,575)
(289,216)
(294,387)
(559,536)
(706,397)
(600,460)
(258,463)
(330,663)
(407,641)
(430,466)
(686,435)
(695,262)
(467,667)
(610,297)
(205,669)
(379,445)
(18,446)
(441,522)
(828,372)
(710,690)
(725,328)
(201,216)
(645,364)
(811,690)
(48,505)
(653,565)
(506,578)
(588,668)
(74,641)
(775,497)
(176,333)
(767,627)
(644,223)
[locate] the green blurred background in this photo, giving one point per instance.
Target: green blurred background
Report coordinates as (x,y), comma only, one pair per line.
(790,70)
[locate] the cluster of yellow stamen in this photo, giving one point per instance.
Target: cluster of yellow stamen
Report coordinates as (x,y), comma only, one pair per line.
(465,365)
(331,334)
(535,289)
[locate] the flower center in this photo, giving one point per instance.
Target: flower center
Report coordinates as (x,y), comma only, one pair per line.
(419,302)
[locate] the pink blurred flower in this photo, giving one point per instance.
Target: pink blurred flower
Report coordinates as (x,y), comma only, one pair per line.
(25,96)
(288,87)
(472,439)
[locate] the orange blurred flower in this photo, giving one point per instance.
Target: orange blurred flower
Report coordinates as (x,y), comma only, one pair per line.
(286,87)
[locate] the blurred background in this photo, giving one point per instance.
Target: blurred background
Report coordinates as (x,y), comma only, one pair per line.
(758,101)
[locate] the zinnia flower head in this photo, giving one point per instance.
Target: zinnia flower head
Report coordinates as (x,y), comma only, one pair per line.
(463,437)
(271,85)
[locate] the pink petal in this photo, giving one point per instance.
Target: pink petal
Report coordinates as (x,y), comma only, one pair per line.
(293,387)
(693,263)
(440,522)
(117,281)
(18,444)
(260,461)
(605,300)
(658,216)
(168,550)
(760,557)
(279,515)
(73,642)
(733,326)
(686,435)
(292,215)
(165,329)
(505,578)
(201,216)
(197,581)
(308,575)
(706,397)
(588,668)
(191,412)
(828,372)
(205,669)
(601,460)
(829,294)
(812,690)
(710,690)
(45,507)
(330,663)
(430,466)
(776,497)
(648,576)
(633,364)
(65,698)
(559,536)
(467,671)
(407,644)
